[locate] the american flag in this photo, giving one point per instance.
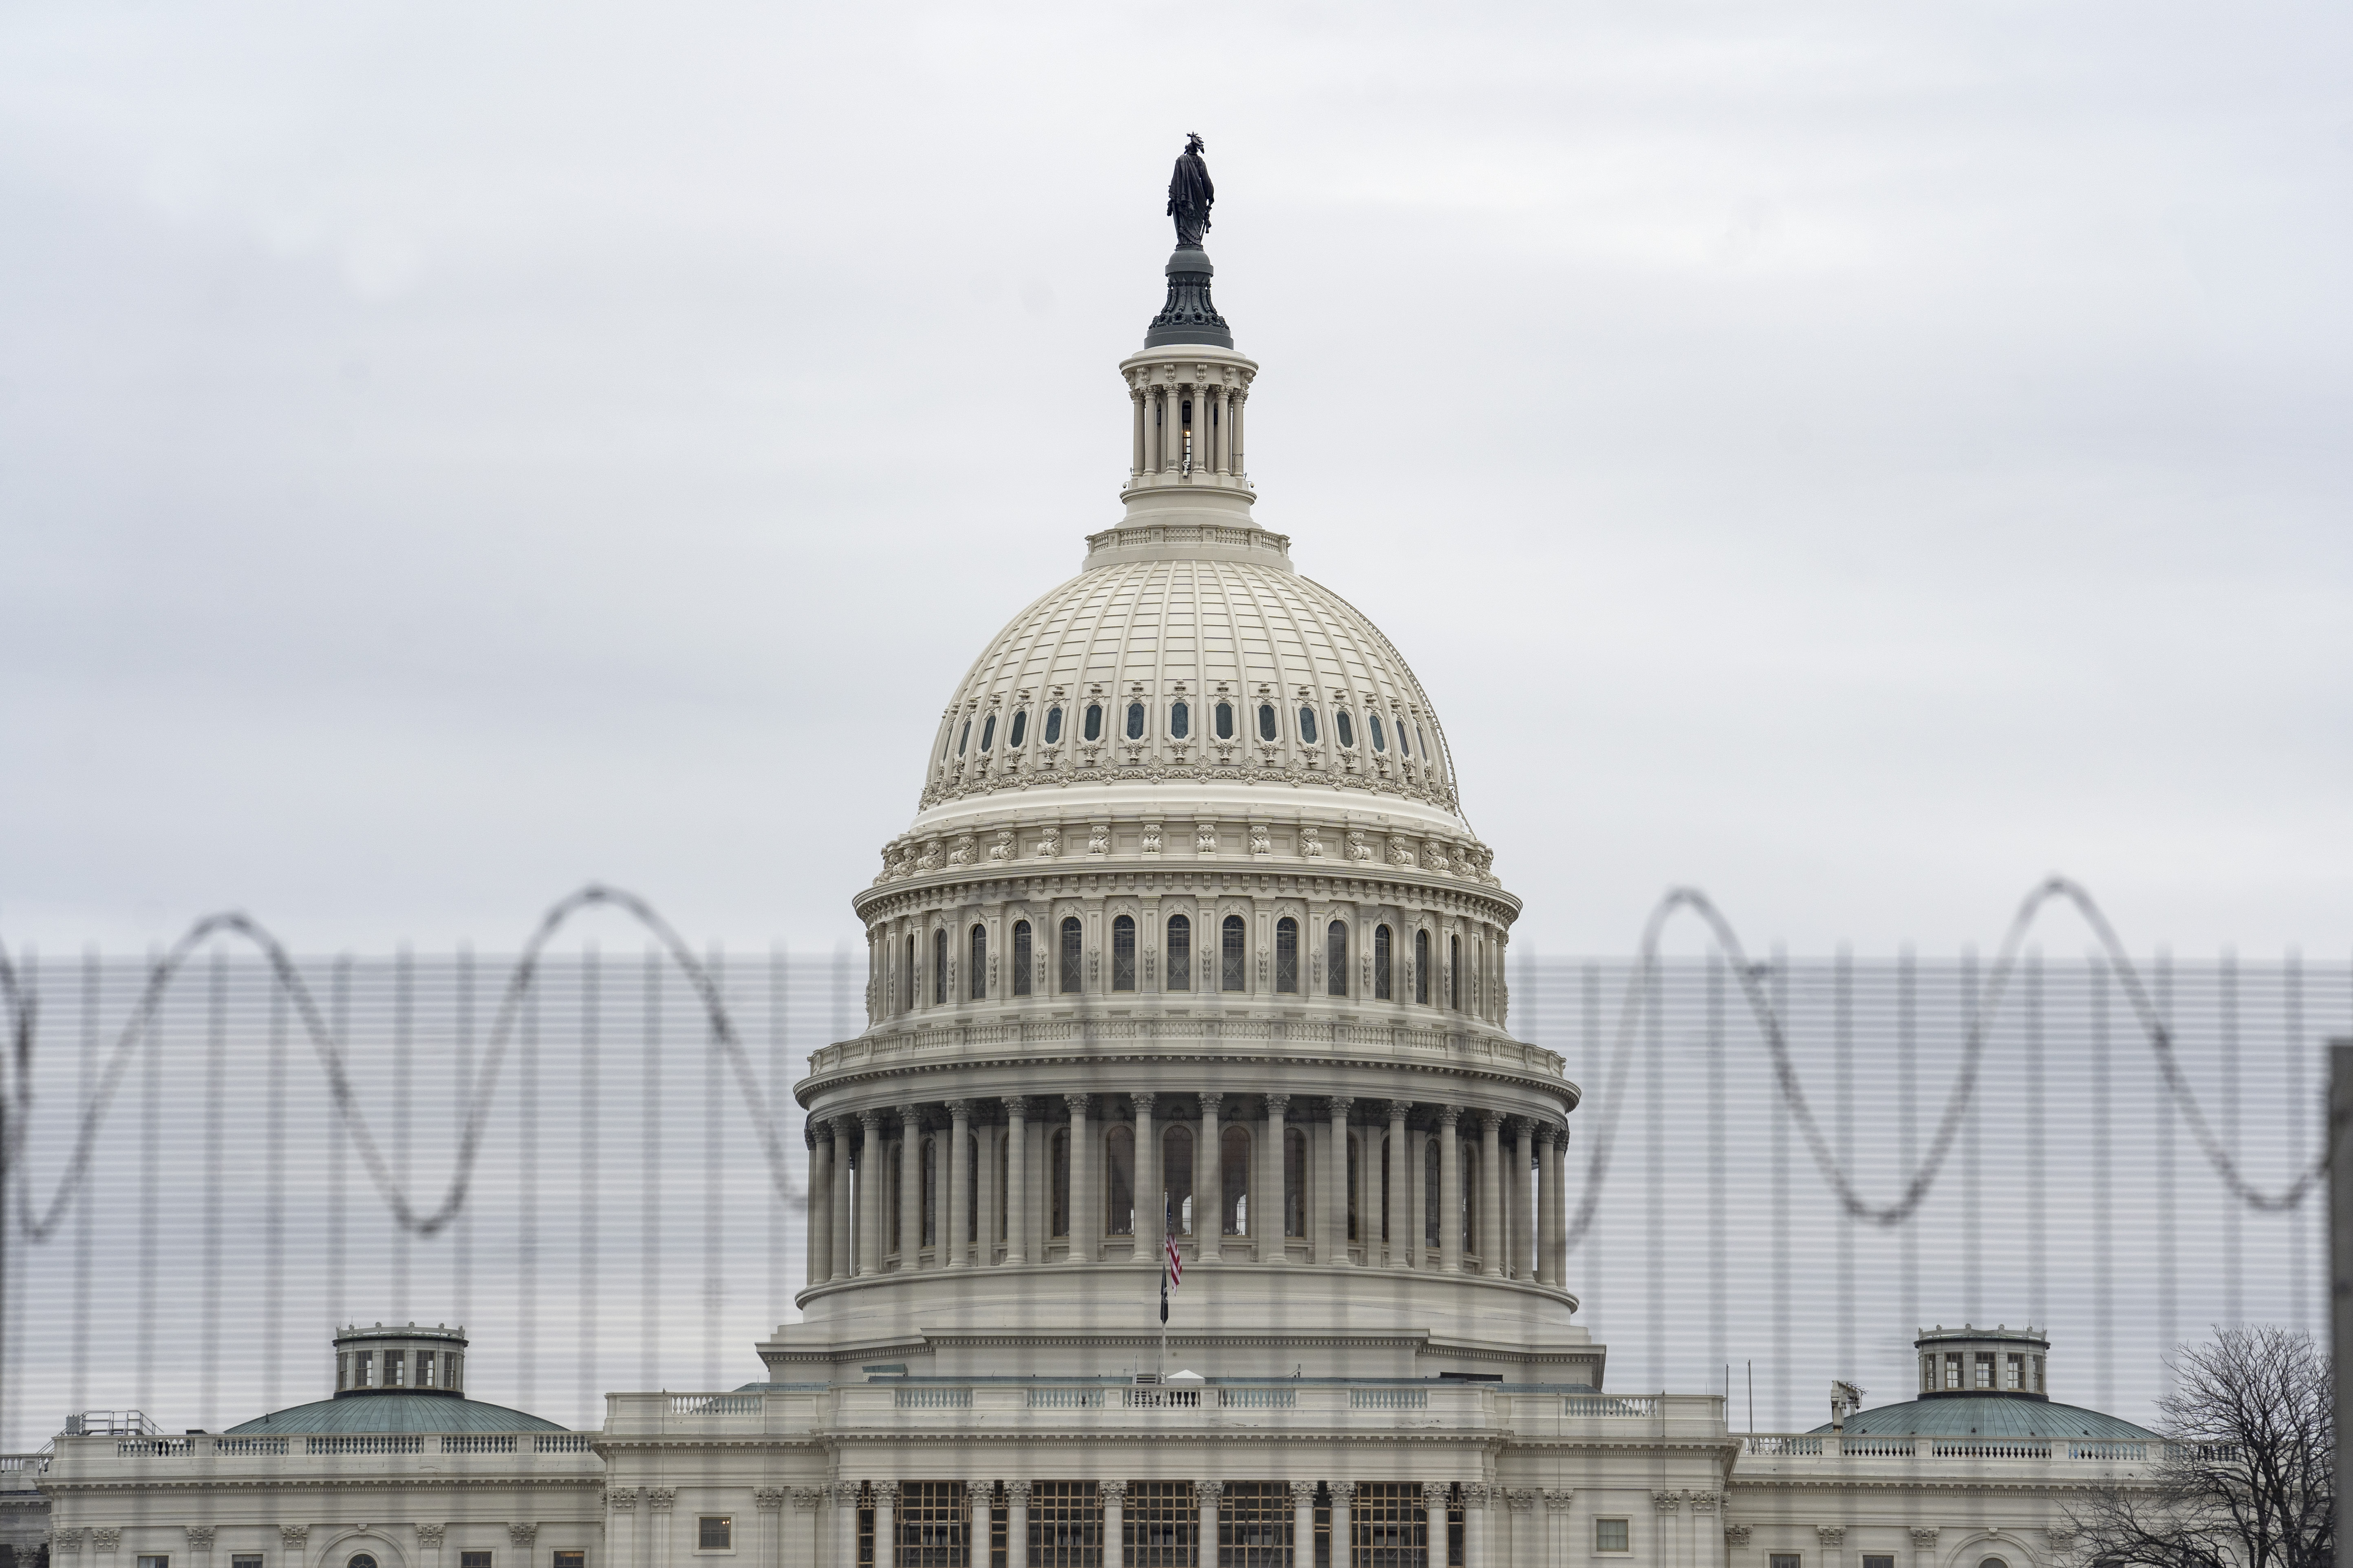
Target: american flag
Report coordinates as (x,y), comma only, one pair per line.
(1175,1261)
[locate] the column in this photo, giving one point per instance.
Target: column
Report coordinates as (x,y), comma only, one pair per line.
(1271,1247)
(1240,396)
(987,1199)
(870,1189)
(1405,1220)
(1224,405)
(911,1188)
(1474,1524)
(1150,1211)
(1342,1494)
(1209,1183)
(1017,1522)
(770,1502)
(1924,1546)
(1557,1188)
(820,1205)
(845,1179)
(1303,1521)
(844,1523)
(621,1527)
(1545,1217)
(1017,1182)
(979,1502)
(1449,1190)
(1668,1506)
(1085,1229)
(1524,1157)
(1135,421)
(1156,430)
(959,1182)
(886,1521)
(1490,1193)
(1208,1495)
(660,1501)
(1336,1206)
(1114,1510)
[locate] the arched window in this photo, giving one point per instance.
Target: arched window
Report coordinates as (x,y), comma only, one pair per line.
(1123,953)
(963,735)
(1430,1207)
(1422,967)
(1454,972)
(1235,1184)
(1022,958)
(1403,750)
(1053,725)
(1233,965)
(1176,1179)
(1286,955)
(1119,1184)
(976,987)
(939,966)
(1381,963)
(1135,720)
(1335,959)
(1180,722)
(1266,720)
(1294,1181)
(1180,956)
(1073,958)
(1225,721)
(1342,727)
(1093,730)
(1307,726)
(1059,1180)
(1021,728)
(988,731)
(1372,723)
(907,980)
(928,1197)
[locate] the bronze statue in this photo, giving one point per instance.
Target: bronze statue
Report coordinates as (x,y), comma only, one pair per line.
(1190,195)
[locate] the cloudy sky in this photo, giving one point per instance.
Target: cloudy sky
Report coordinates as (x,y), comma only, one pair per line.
(1856,459)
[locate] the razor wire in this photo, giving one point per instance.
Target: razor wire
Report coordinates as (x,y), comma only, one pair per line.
(23,1028)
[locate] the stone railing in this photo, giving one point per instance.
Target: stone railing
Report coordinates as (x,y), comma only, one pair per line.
(1834,1446)
(917,1040)
(81,1457)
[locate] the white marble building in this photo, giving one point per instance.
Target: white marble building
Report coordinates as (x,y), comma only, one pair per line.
(1189,946)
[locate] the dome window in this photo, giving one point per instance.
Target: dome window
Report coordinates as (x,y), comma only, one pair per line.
(1307,726)
(1180,954)
(977,988)
(989,732)
(1022,958)
(1180,721)
(1422,967)
(1286,956)
(1123,953)
(1232,970)
(1266,720)
(1335,959)
(1021,727)
(1073,958)
(1372,722)
(1225,721)
(1135,720)
(1343,727)
(1093,731)
(962,736)
(1053,725)
(1380,962)
(940,967)
(1403,750)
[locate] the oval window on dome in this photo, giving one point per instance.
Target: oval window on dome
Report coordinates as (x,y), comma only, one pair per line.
(1135,720)
(1053,725)
(962,736)
(1343,727)
(1093,729)
(1373,720)
(1180,721)
(1403,750)
(1266,720)
(1021,728)
(1307,726)
(989,732)
(1225,721)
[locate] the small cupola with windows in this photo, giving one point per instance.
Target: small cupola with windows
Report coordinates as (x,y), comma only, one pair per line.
(400,1359)
(1971,1362)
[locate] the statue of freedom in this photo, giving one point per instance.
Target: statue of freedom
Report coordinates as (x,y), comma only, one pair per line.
(1190,194)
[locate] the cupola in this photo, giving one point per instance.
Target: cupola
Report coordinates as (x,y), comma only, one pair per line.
(400,1359)
(1972,1362)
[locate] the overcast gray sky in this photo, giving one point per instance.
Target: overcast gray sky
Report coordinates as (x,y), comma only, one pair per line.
(1856,458)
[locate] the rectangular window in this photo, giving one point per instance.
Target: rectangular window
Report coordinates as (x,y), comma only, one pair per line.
(1985,1369)
(569,1560)
(1871,1560)
(245,1560)
(1073,955)
(932,1525)
(1123,953)
(1065,1524)
(976,983)
(1386,1524)
(1928,1373)
(1180,954)
(1254,1521)
(1952,1369)
(473,1560)
(362,1369)
(1787,1559)
(395,1364)
(1023,957)
(423,1369)
(2038,1376)
(343,1371)
(715,1532)
(1157,1526)
(1610,1535)
(155,1562)
(1234,966)
(1286,956)
(2014,1372)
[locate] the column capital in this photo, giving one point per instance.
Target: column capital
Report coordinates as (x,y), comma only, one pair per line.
(1436,1496)
(1736,1534)
(1114,1492)
(660,1498)
(1703,1502)
(1339,1105)
(1077,1103)
(886,1493)
(1448,1115)
(1019,1105)
(430,1536)
(1303,1494)
(1667,1502)
(768,1499)
(200,1536)
(1400,1109)
(1208,1494)
(1474,1496)
(820,1131)
(1142,1100)
(1276,1104)
(871,1119)
(1924,1537)
(1559,1500)
(1490,1121)
(985,1493)
(1017,1494)
(1831,1534)
(844,1493)
(1213,1104)
(960,1108)
(911,1116)
(1343,1493)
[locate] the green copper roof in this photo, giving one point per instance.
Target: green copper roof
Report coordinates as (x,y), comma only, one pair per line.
(396,1412)
(1988,1415)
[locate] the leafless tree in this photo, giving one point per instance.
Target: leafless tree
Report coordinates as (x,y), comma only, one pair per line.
(2245,1476)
